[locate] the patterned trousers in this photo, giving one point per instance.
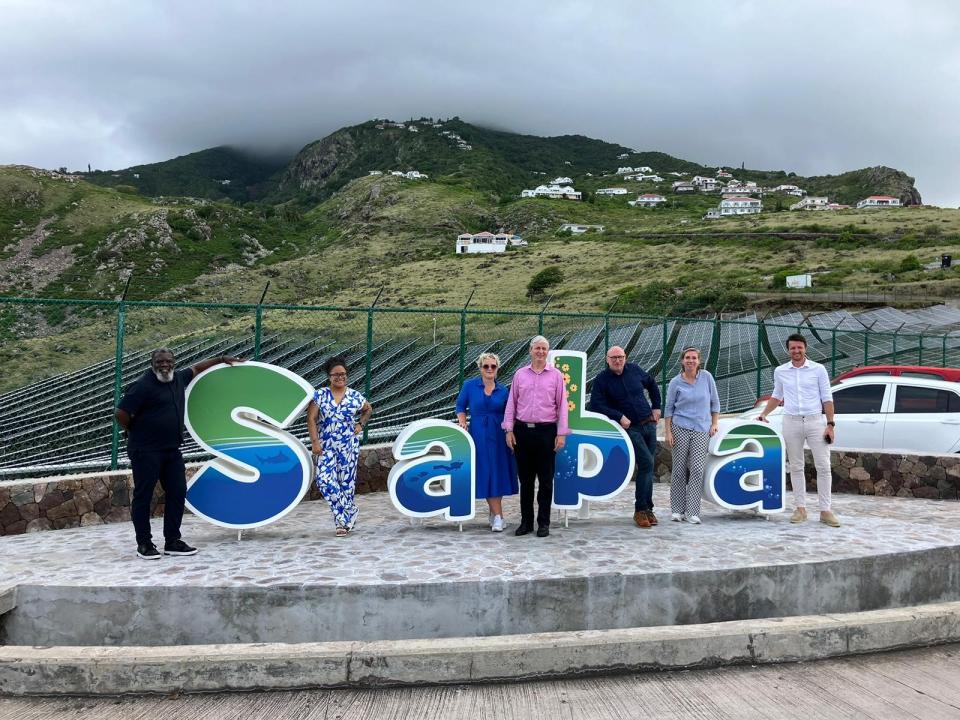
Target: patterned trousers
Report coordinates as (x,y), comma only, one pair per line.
(337,480)
(689,463)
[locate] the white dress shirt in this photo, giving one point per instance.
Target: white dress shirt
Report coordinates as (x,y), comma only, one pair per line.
(803,389)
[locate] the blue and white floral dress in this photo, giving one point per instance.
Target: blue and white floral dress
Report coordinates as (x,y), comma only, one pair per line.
(337,464)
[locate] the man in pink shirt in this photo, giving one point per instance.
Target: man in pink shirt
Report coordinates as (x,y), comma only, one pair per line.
(536,423)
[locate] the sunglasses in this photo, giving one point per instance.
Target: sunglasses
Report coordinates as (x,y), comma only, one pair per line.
(489,367)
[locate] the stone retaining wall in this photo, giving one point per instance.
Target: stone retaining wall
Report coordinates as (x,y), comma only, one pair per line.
(31,505)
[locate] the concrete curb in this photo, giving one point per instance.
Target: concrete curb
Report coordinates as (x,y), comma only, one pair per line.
(206,668)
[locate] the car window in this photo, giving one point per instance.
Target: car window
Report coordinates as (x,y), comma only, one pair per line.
(858,399)
(925,400)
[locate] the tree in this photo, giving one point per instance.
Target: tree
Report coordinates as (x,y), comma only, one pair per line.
(548,277)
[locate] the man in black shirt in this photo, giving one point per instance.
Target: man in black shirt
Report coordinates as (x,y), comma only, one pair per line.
(151,413)
(618,393)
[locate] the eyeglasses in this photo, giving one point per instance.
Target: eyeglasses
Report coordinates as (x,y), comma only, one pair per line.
(338,375)
(489,367)
(616,357)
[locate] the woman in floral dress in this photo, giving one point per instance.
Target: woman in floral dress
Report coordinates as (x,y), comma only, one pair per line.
(335,431)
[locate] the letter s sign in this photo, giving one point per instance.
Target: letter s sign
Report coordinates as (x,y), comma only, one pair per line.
(259,472)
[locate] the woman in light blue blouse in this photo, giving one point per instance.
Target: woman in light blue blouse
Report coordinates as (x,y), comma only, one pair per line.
(690,420)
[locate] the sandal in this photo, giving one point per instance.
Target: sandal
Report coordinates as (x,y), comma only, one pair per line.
(341,532)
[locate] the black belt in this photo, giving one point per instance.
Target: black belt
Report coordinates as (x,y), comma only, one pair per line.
(537,425)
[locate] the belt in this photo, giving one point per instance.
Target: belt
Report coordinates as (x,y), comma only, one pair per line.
(804,417)
(537,424)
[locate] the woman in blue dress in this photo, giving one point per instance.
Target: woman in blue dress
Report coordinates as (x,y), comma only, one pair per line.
(335,433)
(496,470)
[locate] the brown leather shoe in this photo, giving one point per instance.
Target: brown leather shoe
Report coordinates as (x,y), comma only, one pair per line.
(652,518)
(641,519)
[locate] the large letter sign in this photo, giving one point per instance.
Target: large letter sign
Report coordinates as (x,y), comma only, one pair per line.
(259,472)
(597,461)
(745,469)
(418,467)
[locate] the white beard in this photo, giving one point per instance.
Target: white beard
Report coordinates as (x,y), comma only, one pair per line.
(164,377)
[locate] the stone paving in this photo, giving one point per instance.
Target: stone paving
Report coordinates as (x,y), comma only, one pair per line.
(385,548)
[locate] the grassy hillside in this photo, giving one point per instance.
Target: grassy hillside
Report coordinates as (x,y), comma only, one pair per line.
(220,173)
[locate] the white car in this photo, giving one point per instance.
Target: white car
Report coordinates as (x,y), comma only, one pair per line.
(896,413)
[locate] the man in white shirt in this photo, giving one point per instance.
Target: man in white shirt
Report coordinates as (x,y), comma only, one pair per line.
(804,388)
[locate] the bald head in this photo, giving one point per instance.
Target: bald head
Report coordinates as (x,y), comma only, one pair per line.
(616,359)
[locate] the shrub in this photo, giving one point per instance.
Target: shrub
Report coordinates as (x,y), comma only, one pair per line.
(910,262)
(546,278)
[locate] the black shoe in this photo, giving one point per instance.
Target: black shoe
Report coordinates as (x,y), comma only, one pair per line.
(523,529)
(148,551)
(543,531)
(178,547)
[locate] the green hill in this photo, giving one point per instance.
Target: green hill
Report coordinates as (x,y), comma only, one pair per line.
(219,173)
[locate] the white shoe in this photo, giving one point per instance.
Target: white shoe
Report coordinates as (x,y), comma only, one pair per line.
(676,517)
(694,519)
(496,524)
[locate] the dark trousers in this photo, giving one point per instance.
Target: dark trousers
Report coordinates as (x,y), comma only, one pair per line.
(644,440)
(148,467)
(536,460)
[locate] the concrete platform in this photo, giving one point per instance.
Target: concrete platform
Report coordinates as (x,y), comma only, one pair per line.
(295,582)
(291,605)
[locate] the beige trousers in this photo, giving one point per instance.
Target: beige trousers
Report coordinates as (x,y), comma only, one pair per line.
(809,428)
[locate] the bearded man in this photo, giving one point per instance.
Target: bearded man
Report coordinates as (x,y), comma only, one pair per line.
(151,414)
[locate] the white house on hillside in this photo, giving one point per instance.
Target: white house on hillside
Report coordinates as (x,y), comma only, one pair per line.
(723,174)
(811,203)
(487,242)
(643,169)
(612,191)
(576,229)
(555,192)
(648,200)
(684,187)
(561,181)
(875,201)
(740,205)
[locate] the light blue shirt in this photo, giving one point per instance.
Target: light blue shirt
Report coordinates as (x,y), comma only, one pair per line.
(691,406)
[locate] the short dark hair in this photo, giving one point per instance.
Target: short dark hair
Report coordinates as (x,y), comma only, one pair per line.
(161,351)
(333,362)
(796,337)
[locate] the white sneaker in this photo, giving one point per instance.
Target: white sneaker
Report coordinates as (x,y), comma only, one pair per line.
(497,524)
(694,519)
(676,517)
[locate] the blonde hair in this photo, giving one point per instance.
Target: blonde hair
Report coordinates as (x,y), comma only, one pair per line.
(692,348)
(539,339)
(488,356)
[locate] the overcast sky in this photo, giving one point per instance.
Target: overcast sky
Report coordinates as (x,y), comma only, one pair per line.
(812,86)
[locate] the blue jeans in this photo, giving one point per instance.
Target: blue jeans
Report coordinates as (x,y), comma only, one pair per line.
(644,439)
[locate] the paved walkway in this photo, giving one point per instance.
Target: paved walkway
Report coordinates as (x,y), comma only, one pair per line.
(918,684)
(301,548)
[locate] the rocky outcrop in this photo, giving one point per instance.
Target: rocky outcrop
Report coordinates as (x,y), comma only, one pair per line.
(317,164)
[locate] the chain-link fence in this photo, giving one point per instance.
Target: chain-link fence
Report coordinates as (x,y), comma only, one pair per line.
(67,362)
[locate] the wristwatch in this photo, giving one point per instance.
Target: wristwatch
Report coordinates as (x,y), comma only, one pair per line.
(831,423)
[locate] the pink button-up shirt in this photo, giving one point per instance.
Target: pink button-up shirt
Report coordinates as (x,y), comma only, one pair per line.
(537,397)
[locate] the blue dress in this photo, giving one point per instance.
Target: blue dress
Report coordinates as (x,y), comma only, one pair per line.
(496,470)
(337,464)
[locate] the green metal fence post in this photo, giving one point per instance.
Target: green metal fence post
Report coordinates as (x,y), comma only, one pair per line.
(463,340)
(943,363)
(866,347)
(759,355)
(258,323)
(367,380)
(118,374)
(664,361)
(606,327)
(542,311)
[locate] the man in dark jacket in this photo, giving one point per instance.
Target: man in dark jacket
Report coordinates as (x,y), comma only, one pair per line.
(618,393)
(151,413)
